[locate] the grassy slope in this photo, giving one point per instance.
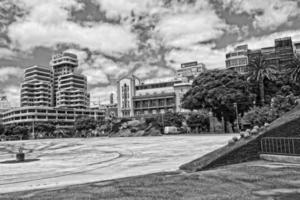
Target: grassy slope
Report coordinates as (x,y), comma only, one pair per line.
(247,149)
(254,180)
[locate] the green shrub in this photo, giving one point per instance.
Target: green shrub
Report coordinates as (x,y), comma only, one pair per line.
(200,119)
(261,115)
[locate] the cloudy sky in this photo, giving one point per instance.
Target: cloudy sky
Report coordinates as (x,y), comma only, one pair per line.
(149,38)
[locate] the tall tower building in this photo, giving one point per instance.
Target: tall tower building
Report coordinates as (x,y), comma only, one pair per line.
(36,88)
(70,88)
(63,63)
(72,91)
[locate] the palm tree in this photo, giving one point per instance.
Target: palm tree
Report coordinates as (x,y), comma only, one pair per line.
(294,70)
(259,71)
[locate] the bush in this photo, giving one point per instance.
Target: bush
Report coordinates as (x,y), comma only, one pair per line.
(172,119)
(261,115)
(201,119)
(242,134)
(123,120)
(231,142)
(235,139)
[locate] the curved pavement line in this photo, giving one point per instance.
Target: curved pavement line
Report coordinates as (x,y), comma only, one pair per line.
(130,155)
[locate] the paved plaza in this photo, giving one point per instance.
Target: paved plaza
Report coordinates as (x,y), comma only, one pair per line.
(60,162)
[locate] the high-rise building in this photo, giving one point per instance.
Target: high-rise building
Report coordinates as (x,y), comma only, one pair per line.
(36,88)
(62,63)
(70,88)
(53,96)
(284,49)
(72,91)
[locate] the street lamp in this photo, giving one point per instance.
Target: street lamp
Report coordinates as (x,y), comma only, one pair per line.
(237,116)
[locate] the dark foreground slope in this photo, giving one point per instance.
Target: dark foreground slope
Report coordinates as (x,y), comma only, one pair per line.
(248,149)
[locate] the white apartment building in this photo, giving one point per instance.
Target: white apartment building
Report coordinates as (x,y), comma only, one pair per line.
(70,88)
(72,91)
(238,59)
(58,95)
(36,88)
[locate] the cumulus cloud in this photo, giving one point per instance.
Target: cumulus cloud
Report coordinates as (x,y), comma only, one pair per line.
(100,37)
(187,29)
(95,76)
(212,58)
(82,56)
(123,8)
(6,53)
(8,72)
(146,72)
(47,24)
(13,94)
(268,14)
(102,94)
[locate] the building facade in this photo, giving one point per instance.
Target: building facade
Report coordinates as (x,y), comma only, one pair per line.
(70,88)
(36,88)
(238,59)
(281,54)
(59,87)
(190,70)
(151,97)
(72,91)
(63,117)
(57,95)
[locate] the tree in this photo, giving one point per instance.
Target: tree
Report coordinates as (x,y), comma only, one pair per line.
(85,123)
(260,71)
(258,116)
(2,129)
(218,90)
(199,119)
(280,104)
(172,119)
(49,128)
(294,70)
(21,131)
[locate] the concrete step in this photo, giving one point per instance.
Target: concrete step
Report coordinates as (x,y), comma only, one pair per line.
(280,158)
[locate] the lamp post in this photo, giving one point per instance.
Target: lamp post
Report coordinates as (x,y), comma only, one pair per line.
(237,116)
(163,123)
(33,131)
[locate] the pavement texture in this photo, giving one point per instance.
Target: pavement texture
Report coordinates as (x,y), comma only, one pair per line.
(64,162)
(256,180)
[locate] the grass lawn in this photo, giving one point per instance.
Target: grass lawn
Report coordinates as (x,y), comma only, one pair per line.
(253,180)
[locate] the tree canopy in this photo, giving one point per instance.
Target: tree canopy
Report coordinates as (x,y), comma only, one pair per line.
(218,90)
(260,71)
(85,123)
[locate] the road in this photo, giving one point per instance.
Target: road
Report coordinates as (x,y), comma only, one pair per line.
(61,162)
